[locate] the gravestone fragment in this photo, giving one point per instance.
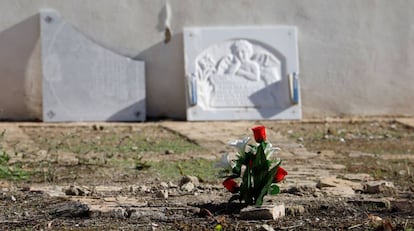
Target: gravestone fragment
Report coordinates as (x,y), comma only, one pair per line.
(244,73)
(83,81)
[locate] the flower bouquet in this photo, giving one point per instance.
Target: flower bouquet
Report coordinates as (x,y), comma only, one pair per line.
(259,174)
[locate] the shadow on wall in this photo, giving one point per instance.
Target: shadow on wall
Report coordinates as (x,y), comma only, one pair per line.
(278,91)
(20,85)
(164,62)
(133,109)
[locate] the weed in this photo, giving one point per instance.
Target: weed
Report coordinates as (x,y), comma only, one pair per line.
(201,168)
(8,171)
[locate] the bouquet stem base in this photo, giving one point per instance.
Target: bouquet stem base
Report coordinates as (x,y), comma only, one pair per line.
(265,212)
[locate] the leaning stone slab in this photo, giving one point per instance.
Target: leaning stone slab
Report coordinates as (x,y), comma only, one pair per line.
(267,212)
(83,81)
(242,73)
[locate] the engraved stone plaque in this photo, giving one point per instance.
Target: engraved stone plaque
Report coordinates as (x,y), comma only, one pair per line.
(83,81)
(245,73)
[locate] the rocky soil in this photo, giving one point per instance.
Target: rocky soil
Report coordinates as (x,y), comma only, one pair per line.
(347,174)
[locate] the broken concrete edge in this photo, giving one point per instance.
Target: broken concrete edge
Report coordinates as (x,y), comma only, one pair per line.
(266,212)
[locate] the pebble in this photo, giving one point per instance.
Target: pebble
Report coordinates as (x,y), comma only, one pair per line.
(187,187)
(162,194)
(380,187)
(187,179)
(172,185)
(169,151)
(164,185)
(119,213)
(295,210)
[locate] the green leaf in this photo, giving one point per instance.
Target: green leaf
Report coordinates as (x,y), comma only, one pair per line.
(274,189)
(265,189)
(245,187)
(237,169)
(276,162)
(260,161)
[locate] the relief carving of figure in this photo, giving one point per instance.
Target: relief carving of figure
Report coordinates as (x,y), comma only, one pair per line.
(239,62)
(236,59)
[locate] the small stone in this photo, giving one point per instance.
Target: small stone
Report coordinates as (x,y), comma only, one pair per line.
(380,187)
(186,179)
(300,139)
(172,185)
(342,140)
(169,151)
(402,173)
(13,198)
(162,194)
(69,209)
(118,212)
(164,185)
(269,212)
(134,148)
(372,203)
(76,191)
(295,210)
(187,187)
(144,188)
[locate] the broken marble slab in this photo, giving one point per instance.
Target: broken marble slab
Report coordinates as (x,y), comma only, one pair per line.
(242,73)
(82,81)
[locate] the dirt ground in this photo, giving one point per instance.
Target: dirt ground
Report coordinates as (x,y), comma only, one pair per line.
(126,176)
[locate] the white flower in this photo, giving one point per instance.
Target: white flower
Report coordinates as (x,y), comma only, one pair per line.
(240,144)
(225,162)
(270,150)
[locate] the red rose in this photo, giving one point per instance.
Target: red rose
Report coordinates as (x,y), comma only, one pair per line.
(231,185)
(280,174)
(259,133)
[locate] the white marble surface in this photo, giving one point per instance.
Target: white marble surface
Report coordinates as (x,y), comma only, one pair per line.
(241,73)
(83,81)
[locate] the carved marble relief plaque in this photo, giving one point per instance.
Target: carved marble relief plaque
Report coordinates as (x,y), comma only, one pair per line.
(240,73)
(83,81)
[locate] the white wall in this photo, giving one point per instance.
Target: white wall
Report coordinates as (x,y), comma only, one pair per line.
(356,57)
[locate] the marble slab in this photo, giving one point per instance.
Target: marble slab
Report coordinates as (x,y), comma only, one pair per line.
(82,81)
(242,73)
